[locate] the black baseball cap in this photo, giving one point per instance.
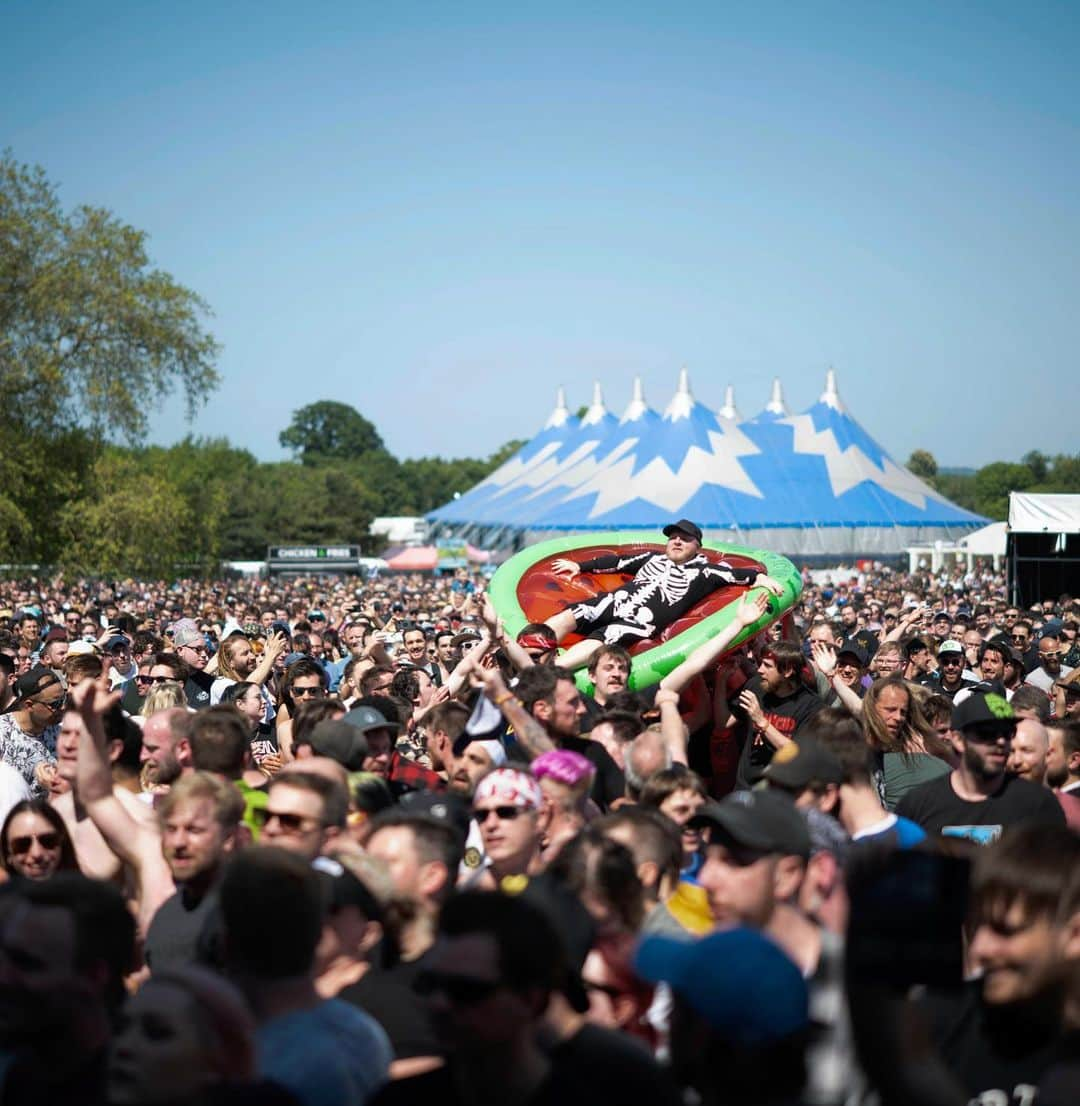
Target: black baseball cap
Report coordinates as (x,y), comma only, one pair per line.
(803,762)
(341,888)
(763,820)
(982,707)
(683,526)
(339,741)
(850,645)
(31,683)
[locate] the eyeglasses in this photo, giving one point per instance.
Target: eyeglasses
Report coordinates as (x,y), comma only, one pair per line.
(290,823)
(196,649)
(503,813)
(302,692)
(51,704)
(20,846)
(462,990)
(1050,656)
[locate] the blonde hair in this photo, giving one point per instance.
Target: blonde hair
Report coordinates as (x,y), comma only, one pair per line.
(163,696)
(198,786)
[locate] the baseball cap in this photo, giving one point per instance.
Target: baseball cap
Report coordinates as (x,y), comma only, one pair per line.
(761,820)
(118,641)
(738,980)
(982,707)
(440,806)
(31,683)
(683,526)
(802,762)
(850,645)
(57,633)
(341,888)
(336,739)
(368,718)
(951,645)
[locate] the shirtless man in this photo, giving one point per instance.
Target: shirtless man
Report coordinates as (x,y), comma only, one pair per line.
(665,586)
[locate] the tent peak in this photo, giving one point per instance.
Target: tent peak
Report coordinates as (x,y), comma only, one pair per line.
(831,396)
(597,412)
(682,401)
(729,410)
(561,413)
(637,406)
(776,404)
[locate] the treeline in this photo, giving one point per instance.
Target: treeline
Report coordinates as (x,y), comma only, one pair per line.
(89,506)
(986,490)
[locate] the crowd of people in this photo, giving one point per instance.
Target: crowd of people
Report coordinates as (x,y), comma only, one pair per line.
(341,840)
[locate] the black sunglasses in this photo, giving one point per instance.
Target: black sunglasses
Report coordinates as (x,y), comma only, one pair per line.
(989,733)
(462,990)
(290,823)
(20,846)
(315,692)
(503,813)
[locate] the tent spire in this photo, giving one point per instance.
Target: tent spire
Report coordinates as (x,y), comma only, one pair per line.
(776,404)
(729,410)
(561,413)
(831,397)
(682,401)
(637,406)
(597,410)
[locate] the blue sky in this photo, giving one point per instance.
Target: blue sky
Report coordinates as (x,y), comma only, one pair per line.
(438,213)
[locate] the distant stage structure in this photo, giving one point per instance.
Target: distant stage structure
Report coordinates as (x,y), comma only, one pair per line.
(813,484)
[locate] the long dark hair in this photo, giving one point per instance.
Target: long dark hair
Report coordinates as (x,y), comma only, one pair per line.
(68,860)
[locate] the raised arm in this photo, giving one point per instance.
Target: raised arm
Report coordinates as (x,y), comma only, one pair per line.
(275,646)
(751,607)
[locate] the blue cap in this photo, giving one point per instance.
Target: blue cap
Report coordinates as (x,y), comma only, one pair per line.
(738,980)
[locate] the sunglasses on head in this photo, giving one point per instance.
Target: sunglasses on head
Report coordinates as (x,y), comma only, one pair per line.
(460,989)
(20,846)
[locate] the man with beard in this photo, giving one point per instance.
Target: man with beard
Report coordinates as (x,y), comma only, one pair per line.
(979,797)
(166,747)
(1050,670)
(1027,759)
(1063,767)
(67,943)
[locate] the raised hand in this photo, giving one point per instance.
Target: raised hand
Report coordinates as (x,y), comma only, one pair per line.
(751,607)
(771,585)
(564,568)
(824,657)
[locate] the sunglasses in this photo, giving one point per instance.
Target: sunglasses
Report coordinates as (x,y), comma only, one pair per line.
(1020,639)
(55,704)
(503,813)
(157,679)
(989,733)
(462,990)
(951,659)
(290,823)
(1050,656)
(302,692)
(20,846)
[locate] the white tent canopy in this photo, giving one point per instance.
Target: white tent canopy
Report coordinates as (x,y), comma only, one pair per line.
(1044,514)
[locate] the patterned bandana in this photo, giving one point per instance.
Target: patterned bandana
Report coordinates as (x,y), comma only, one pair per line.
(509,787)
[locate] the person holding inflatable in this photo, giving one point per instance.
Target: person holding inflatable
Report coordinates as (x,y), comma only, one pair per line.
(664,587)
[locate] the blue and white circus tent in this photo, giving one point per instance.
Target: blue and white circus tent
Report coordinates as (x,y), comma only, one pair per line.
(809,484)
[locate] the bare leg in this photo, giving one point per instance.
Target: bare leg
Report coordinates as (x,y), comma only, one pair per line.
(577,656)
(562,623)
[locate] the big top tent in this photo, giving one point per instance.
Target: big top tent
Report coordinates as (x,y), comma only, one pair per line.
(809,484)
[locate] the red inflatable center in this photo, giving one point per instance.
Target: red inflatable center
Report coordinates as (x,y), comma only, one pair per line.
(541,593)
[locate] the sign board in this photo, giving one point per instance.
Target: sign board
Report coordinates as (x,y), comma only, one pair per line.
(313,558)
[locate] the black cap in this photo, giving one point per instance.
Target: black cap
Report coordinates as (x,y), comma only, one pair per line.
(31,683)
(684,526)
(440,806)
(368,718)
(981,707)
(762,820)
(803,762)
(339,741)
(850,645)
(341,888)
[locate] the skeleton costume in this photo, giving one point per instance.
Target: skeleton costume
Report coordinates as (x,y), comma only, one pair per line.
(660,593)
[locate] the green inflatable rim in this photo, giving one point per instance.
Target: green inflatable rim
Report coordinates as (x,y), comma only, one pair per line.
(652,666)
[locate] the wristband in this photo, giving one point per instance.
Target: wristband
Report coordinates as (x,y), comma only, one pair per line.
(506,695)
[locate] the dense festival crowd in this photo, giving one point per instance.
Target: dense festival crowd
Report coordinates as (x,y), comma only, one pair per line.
(341,840)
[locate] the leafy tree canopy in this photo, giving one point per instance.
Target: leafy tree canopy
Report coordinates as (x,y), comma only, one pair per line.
(328,430)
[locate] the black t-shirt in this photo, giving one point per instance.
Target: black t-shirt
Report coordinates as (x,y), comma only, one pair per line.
(173,937)
(609,783)
(950,693)
(197,689)
(939,810)
(992,1052)
(787,714)
(611,1068)
(398,1009)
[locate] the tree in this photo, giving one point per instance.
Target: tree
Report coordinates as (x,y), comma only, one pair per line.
(923,463)
(330,431)
(994,482)
(90,334)
(1038,463)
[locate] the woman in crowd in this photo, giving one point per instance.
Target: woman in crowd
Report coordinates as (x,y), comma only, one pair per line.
(35,843)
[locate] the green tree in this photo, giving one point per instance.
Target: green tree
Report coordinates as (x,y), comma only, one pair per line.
(328,430)
(1039,464)
(90,334)
(128,522)
(923,463)
(994,482)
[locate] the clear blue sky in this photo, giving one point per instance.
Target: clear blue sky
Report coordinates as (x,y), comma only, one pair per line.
(439,212)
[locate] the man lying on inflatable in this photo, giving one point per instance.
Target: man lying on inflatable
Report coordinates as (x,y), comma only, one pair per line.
(665,586)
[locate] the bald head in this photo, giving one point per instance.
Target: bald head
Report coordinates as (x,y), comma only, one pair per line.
(646,755)
(1029,747)
(166,745)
